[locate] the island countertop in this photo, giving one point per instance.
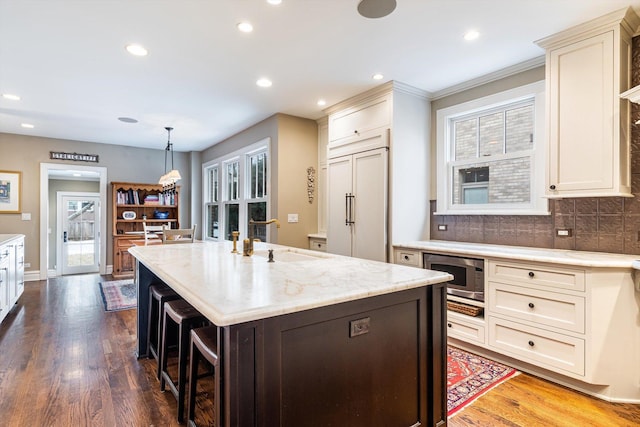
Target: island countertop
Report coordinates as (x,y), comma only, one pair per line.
(230,288)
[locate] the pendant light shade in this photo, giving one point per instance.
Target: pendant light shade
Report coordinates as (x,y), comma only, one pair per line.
(170,178)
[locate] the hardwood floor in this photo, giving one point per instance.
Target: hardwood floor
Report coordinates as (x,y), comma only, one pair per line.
(64,361)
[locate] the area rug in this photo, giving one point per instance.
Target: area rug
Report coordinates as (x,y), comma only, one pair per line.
(118,295)
(470,376)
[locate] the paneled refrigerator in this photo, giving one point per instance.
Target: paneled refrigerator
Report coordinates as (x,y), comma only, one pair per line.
(357,204)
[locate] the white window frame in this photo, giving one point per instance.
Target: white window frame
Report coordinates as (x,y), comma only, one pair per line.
(207,191)
(538,204)
(242,155)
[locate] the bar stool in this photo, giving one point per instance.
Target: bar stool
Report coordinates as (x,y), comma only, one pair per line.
(158,294)
(204,343)
(185,318)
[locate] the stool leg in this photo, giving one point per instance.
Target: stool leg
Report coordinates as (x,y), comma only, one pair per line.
(149,327)
(160,337)
(193,380)
(165,344)
(183,351)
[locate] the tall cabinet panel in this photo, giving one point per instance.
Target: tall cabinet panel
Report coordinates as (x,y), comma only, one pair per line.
(358,205)
(378,171)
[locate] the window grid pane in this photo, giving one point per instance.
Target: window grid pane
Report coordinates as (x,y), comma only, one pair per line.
(232,181)
(519,129)
(491,134)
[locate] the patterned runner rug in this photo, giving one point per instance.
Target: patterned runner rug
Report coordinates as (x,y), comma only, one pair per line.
(118,295)
(470,376)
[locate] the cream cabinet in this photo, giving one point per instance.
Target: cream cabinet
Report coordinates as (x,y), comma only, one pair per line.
(393,116)
(587,67)
(11,271)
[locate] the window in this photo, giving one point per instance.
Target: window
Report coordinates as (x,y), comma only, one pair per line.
(490,154)
(236,190)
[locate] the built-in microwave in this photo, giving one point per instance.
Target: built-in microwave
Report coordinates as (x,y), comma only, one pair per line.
(468,274)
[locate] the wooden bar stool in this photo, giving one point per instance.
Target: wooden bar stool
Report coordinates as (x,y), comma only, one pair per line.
(204,343)
(186,318)
(158,294)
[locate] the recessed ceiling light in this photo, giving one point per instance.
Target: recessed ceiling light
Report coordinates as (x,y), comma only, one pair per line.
(321,102)
(471,35)
(27,125)
(274,2)
(377,76)
(245,27)
(11,96)
(263,82)
(127,120)
(77,174)
(136,49)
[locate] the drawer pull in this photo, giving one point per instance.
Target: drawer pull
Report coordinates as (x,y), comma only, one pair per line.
(531,343)
(449,325)
(531,305)
(531,274)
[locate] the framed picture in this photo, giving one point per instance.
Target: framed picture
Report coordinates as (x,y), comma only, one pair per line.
(10,191)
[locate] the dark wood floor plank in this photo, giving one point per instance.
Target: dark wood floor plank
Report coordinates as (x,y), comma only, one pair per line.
(64,361)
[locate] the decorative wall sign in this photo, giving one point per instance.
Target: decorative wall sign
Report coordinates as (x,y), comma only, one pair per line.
(10,191)
(311,183)
(76,157)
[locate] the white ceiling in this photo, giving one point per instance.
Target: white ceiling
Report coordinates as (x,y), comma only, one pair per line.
(66,59)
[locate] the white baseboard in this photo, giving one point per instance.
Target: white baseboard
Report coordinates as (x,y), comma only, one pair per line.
(32,276)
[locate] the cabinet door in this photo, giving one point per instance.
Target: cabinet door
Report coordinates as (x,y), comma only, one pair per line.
(360,119)
(370,205)
(340,175)
(581,116)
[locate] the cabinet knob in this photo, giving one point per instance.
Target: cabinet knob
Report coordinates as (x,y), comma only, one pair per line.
(319,245)
(449,325)
(531,274)
(406,257)
(552,187)
(531,305)
(531,343)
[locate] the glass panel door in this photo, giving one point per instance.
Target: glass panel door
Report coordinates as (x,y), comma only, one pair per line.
(80,234)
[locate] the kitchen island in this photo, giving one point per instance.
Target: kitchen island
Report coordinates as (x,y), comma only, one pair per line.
(311,339)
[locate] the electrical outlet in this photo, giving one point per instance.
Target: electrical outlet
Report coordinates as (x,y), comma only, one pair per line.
(27,264)
(563,232)
(442,227)
(292,218)
(359,327)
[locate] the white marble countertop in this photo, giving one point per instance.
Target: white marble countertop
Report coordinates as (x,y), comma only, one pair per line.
(522,253)
(230,288)
(317,235)
(5,238)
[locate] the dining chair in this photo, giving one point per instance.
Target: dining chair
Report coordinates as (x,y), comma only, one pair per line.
(151,233)
(179,235)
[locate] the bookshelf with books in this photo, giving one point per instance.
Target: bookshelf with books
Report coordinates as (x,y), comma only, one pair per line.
(133,204)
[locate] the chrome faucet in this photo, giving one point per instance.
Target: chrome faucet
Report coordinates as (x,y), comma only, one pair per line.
(248,250)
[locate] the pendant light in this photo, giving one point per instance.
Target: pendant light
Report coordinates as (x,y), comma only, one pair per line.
(169,179)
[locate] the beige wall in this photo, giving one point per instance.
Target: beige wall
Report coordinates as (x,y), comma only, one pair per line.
(25,153)
(294,143)
(516,80)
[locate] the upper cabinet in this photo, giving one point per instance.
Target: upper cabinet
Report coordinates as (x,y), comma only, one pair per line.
(587,67)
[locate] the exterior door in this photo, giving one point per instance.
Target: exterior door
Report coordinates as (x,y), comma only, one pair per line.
(79,233)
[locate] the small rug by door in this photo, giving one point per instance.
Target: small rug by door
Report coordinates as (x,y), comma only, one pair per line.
(118,295)
(469,376)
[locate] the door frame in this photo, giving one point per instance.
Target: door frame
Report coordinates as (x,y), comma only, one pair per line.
(60,195)
(44,213)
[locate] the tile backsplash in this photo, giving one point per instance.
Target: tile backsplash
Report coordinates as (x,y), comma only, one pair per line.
(602,224)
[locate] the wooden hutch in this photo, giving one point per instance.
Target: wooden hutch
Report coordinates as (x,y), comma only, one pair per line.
(133,204)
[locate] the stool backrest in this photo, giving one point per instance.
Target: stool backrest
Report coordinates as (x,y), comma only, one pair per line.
(150,231)
(179,235)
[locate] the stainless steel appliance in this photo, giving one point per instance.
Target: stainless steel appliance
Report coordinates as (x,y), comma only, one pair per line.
(468,274)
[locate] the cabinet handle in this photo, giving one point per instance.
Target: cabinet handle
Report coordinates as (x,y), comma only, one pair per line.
(552,187)
(449,325)
(531,274)
(531,305)
(531,343)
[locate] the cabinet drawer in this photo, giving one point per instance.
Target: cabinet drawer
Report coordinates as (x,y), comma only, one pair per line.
(465,331)
(545,308)
(547,349)
(360,119)
(318,245)
(559,278)
(406,257)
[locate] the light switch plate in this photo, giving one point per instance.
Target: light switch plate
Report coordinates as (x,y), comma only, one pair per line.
(292,218)
(26,216)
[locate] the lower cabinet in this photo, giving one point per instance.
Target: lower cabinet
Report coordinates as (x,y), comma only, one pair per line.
(123,264)
(11,273)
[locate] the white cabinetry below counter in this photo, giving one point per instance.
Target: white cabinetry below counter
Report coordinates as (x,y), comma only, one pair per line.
(11,271)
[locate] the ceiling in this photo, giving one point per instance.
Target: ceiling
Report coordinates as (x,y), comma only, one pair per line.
(67,61)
